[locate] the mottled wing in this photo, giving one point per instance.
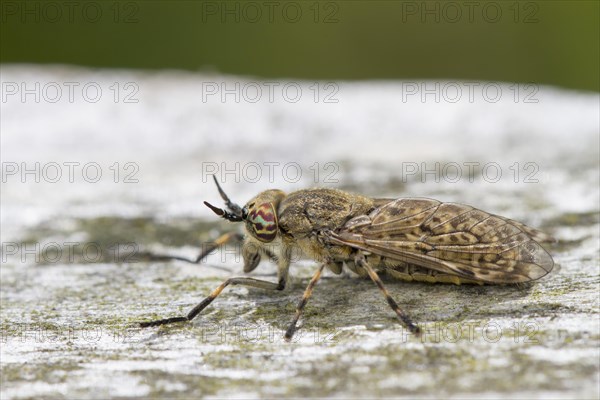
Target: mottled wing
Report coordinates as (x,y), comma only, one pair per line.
(451,238)
(533,233)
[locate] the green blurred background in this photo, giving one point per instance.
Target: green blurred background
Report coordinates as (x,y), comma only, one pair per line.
(546,42)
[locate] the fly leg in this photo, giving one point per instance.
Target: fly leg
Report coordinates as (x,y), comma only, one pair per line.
(205,251)
(402,316)
(257,283)
(307,293)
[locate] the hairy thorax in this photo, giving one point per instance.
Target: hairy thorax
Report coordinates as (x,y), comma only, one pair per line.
(304,214)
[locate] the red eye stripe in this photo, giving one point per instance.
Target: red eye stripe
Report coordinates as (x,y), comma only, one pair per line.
(263,222)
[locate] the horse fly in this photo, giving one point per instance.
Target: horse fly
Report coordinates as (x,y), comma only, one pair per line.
(413,239)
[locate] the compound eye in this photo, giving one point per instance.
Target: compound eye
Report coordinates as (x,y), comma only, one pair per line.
(245,213)
(261,222)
